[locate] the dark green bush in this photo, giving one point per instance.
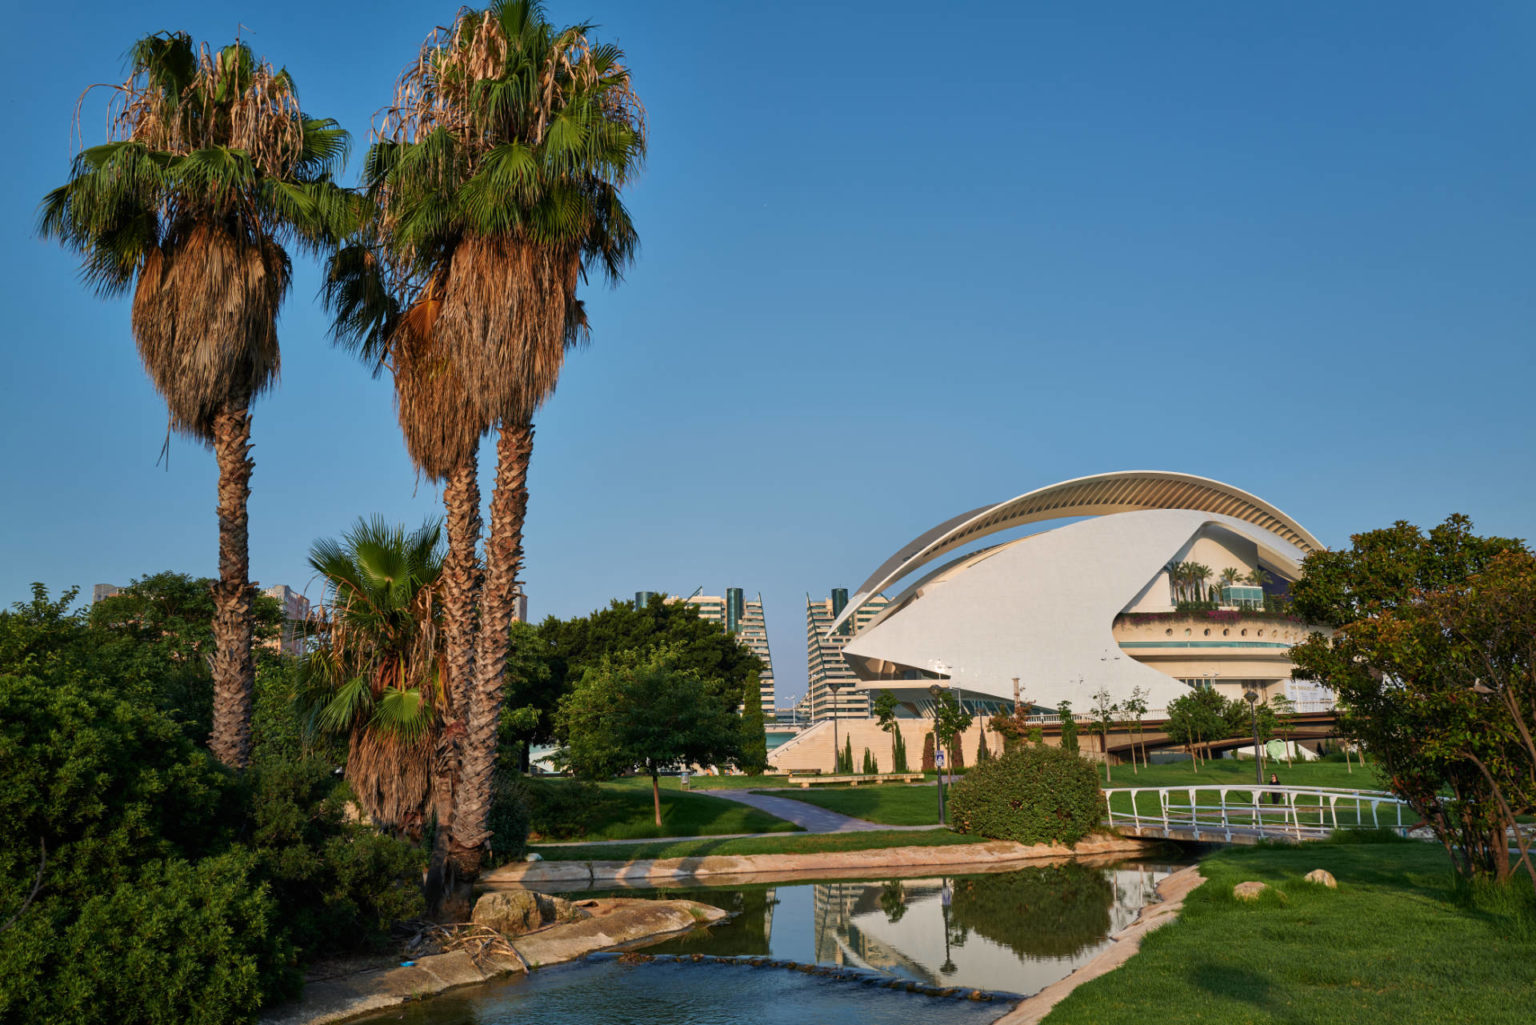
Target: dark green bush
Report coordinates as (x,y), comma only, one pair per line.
(509,816)
(1032,795)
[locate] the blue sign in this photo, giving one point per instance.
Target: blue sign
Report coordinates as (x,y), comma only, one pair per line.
(938,757)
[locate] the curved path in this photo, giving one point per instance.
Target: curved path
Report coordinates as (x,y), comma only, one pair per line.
(808,817)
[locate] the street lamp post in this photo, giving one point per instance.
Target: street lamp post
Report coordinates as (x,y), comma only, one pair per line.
(1253,711)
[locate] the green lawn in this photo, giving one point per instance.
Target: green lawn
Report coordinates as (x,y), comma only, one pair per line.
(890,804)
(1391,944)
(630,815)
(803,844)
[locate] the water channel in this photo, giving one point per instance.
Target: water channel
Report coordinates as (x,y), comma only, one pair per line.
(1005,932)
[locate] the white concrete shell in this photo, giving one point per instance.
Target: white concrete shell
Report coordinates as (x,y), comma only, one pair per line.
(1043,607)
(1099,495)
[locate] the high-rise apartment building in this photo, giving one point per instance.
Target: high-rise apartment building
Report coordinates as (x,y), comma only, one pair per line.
(741,618)
(295,620)
(831,687)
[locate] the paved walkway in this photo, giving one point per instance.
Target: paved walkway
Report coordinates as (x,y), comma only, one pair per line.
(807,816)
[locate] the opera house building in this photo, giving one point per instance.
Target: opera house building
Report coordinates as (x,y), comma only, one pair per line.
(1157,582)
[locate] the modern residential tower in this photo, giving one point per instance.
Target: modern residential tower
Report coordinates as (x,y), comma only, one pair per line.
(832,689)
(741,618)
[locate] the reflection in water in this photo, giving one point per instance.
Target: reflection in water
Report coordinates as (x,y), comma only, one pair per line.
(1010,931)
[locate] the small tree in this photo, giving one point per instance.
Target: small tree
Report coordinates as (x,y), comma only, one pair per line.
(929,764)
(1068,726)
(982,753)
(950,721)
(633,711)
(845,764)
(870,766)
(754,736)
(1134,708)
(1104,711)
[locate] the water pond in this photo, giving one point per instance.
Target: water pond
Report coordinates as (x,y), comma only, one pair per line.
(1006,933)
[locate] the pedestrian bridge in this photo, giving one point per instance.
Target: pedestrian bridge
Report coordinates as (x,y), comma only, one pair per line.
(1233,814)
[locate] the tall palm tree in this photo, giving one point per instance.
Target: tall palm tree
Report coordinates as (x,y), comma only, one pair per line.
(386,313)
(497,174)
(211,168)
(377,675)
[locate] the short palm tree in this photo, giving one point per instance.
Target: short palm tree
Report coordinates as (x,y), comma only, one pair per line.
(377,675)
(211,169)
(497,179)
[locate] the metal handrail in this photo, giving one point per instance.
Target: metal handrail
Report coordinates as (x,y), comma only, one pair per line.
(1268,811)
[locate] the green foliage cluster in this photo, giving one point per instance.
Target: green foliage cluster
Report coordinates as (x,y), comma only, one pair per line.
(1068,727)
(871,767)
(1032,795)
(1431,653)
(167,888)
(884,710)
(845,757)
(511,816)
(754,733)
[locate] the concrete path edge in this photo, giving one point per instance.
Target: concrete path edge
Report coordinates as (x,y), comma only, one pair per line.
(987,856)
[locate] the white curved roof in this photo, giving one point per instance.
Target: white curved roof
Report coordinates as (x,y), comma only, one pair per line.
(1043,608)
(1099,495)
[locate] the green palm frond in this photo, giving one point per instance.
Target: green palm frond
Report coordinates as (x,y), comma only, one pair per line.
(402,715)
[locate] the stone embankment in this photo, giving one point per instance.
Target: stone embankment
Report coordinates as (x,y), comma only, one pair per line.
(889,862)
(602,925)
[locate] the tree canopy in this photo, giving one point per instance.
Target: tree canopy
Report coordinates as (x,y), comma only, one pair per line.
(1430,653)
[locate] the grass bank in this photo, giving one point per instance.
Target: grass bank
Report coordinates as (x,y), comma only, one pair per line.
(1396,942)
(626,813)
(890,804)
(796,844)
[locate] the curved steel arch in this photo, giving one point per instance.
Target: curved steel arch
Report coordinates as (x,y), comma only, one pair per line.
(1100,495)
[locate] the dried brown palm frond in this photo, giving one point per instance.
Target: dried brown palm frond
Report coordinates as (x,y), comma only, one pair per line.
(505,322)
(391,777)
(182,99)
(441,431)
(204,317)
(438,90)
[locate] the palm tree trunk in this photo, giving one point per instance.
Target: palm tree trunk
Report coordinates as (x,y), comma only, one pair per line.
(234,674)
(461,592)
(503,560)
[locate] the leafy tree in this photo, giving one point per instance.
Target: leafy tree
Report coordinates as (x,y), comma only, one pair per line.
(1068,726)
(1284,712)
(211,169)
(647,712)
(497,179)
(950,721)
(1104,711)
(1135,709)
(376,676)
(1200,717)
(160,628)
(1430,655)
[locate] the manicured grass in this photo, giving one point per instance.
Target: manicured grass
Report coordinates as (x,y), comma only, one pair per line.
(1230,771)
(804,844)
(630,815)
(1392,944)
(697,782)
(890,804)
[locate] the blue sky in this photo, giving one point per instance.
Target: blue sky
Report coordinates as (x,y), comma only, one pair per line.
(898,261)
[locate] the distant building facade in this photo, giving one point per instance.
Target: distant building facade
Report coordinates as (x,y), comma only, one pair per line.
(101,591)
(295,620)
(742,619)
(832,689)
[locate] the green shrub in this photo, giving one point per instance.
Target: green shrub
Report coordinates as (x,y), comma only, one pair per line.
(510,819)
(178,942)
(341,885)
(1032,795)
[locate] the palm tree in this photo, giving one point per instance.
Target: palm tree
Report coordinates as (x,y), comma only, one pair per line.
(211,168)
(377,675)
(1199,577)
(1259,577)
(498,173)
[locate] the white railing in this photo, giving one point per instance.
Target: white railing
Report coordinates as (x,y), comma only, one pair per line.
(1248,812)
